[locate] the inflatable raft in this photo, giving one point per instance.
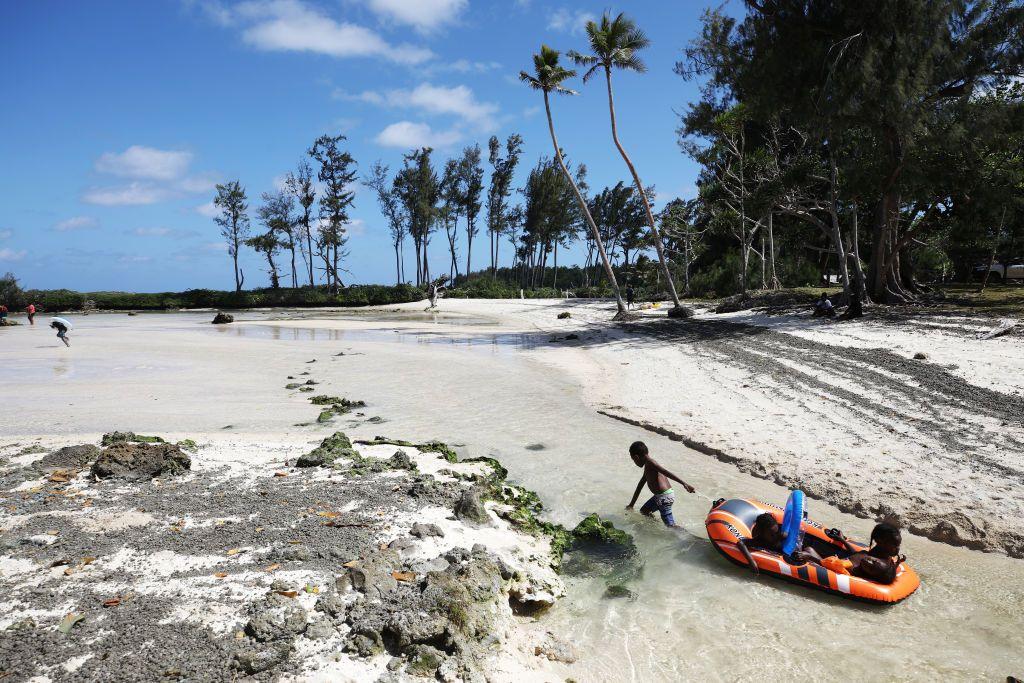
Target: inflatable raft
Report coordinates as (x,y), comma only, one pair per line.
(731,520)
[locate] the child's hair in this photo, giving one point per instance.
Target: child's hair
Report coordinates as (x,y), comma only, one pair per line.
(886,532)
(764,520)
(638,448)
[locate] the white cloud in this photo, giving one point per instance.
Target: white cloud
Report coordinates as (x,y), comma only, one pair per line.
(406,134)
(464,66)
(433,99)
(145,162)
(356,227)
(204,182)
(570,21)
(160,232)
(11,255)
(423,15)
(133,194)
(76,223)
(133,258)
(209,209)
(292,26)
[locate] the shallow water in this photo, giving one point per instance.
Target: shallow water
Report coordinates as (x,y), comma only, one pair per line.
(696,616)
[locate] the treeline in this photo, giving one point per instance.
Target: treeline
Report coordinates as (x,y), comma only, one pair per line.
(54,300)
(880,142)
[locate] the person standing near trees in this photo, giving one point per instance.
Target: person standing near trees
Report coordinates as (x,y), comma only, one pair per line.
(3,314)
(30,311)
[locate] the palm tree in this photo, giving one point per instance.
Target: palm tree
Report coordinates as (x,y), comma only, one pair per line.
(548,77)
(614,45)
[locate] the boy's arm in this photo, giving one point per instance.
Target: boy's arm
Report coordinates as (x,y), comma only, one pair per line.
(750,558)
(672,476)
(636,494)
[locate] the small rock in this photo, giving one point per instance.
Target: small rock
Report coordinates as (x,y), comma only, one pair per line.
(320,629)
(401,461)
(223,318)
(470,508)
(619,591)
(255,660)
(920,355)
(141,461)
(420,530)
(556,650)
(564,314)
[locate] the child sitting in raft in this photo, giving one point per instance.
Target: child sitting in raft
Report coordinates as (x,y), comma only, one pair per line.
(766,535)
(879,562)
(656,477)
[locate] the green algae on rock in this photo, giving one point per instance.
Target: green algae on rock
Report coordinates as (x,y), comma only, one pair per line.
(111,438)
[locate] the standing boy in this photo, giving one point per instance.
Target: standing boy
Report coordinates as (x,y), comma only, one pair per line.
(656,477)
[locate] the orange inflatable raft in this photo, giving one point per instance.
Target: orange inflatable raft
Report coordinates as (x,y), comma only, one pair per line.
(731,520)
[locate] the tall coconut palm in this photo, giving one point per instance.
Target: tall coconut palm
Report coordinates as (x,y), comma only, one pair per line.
(613,45)
(548,77)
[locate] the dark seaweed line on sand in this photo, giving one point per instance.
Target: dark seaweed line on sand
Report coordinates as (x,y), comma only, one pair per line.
(937,391)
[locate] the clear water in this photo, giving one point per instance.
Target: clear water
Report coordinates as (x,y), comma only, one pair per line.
(696,617)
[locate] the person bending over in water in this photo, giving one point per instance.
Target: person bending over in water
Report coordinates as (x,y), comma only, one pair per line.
(62,332)
(767,535)
(879,562)
(656,477)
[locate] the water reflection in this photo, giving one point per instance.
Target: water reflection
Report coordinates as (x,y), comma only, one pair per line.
(494,341)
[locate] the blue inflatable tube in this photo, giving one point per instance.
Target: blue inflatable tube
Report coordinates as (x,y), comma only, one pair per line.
(791,522)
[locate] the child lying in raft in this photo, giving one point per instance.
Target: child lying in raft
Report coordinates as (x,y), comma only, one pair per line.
(766,535)
(878,563)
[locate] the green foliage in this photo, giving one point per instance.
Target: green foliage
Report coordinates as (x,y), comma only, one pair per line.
(55,300)
(10,293)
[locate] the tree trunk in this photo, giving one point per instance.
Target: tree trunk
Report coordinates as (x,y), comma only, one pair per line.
(655,234)
(620,304)
(309,245)
(861,289)
(398,267)
(992,255)
(469,246)
(295,274)
(775,284)
(554,285)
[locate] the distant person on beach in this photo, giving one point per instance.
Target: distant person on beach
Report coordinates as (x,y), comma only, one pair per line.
(880,561)
(62,332)
(656,477)
(3,314)
(823,308)
(629,297)
(30,310)
(766,534)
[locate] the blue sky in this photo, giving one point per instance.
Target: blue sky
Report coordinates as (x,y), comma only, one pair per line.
(119,117)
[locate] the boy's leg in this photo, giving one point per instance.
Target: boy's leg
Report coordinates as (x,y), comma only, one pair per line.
(665,508)
(650,506)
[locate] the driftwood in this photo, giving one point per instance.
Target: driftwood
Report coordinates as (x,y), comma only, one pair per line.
(1005,326)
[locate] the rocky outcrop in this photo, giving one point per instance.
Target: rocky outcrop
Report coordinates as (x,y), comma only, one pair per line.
(69,458)
(140,461)
(330,449)
(222,318)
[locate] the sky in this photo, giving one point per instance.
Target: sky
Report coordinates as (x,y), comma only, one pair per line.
(119,118)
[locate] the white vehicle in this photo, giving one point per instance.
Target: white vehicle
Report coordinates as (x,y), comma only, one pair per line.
(1013,271)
